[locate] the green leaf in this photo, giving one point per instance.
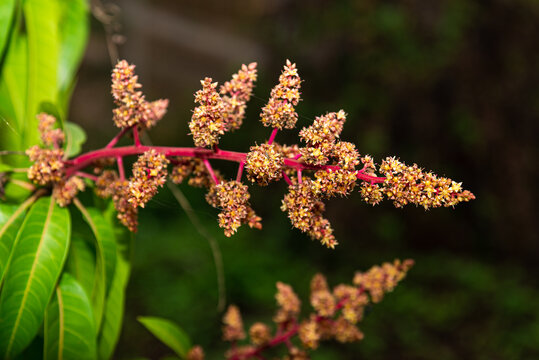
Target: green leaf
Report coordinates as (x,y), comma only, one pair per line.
(11,217)
(81,263)
(13,94)
(7,21)
(69,323)
(75,137)
(37,260)
(168,332)
(114,310)
(73,36)
(105,259)
(41,22)
(5,168)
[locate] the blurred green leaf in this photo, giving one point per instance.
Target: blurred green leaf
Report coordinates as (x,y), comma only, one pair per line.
(69,323)
(114,310)
(13,94)
(168,332)
(7,15)
(11,217)
(73,27)
(81,263)
(41,22)
(75,137)
(37,260)
(105,259)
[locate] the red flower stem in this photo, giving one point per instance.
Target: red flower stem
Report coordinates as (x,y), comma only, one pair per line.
(300,180)
(240,171)
(115,139)
(297,156)
(210,170)
(272,136)
(120,163)
(84,160)
(136,136)
(85,175)
(278,339)
(287,179)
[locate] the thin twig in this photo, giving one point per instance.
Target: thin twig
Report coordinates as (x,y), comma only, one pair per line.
(214,245)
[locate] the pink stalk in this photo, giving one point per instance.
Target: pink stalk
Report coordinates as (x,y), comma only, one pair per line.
(210,170)
(240,171)
(115,139)
(272,136)
(136,136)
(120,163)
(287,179)
(297,157)
(300,180)
(85,175)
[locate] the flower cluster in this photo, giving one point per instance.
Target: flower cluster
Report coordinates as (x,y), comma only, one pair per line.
(49,135)
(65,191)
(232,198)
(236,93)
(336,314)
(320,137)
(410,184)
(264,163)
(133,109)
(305,212)
(280,112)
(149,173)
(208,122)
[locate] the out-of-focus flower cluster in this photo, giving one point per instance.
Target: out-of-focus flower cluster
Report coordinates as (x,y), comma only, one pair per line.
(336,314)
(132,107)
(280,112)
(48,163)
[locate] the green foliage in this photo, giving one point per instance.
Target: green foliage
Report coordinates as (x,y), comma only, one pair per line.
(69,323)
(40,61)
(36,262)
(169,333)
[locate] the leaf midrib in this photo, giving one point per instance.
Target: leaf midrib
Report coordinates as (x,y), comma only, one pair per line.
(30,278)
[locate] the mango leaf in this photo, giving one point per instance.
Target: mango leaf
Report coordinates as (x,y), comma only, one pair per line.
(75,137)
(69,323)
(11,217)
(105,259)
(81,263)
(169,333)
(41,18)
(114,310)
(7,22)
(36,262)
(13,95)
(73,32)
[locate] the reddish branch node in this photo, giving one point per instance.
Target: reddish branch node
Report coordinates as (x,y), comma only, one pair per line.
(323,168)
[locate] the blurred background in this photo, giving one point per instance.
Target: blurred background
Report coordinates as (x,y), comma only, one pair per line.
(452,85)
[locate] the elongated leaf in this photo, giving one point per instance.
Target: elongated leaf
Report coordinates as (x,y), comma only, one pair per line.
(37,260)
(73,36)
(7,15)
(69,323)
(41,21)
(105,259)
(114,310)
(75,137)
(11,217)
(168,332)
(13,94)
(81,263)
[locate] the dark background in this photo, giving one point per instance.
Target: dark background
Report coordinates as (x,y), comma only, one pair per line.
(450,85)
